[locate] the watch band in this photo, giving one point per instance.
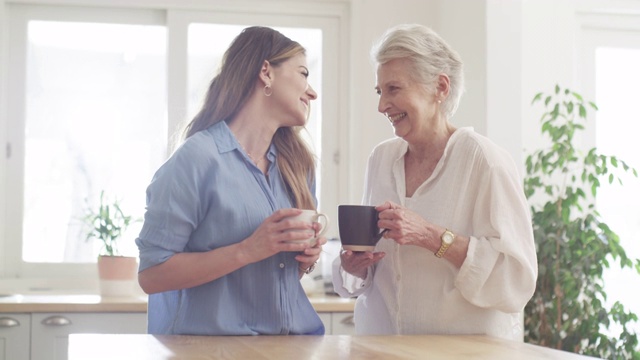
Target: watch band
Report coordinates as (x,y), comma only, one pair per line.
(309,269)
(442,250)
(446,238)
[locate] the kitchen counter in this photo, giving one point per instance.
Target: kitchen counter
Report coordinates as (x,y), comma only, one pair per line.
(336,347)
(96,303)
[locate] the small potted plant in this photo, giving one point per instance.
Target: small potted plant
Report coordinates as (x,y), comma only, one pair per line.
(107,223)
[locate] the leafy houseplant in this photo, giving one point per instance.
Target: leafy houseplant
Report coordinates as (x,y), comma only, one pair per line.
(573,243)
(107,223)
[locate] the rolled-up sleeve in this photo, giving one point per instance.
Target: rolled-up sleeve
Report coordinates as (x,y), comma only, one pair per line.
(174,204)
(500,270)
(347,285)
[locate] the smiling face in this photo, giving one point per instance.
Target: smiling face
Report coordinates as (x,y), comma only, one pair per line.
(291,91)
(409,106)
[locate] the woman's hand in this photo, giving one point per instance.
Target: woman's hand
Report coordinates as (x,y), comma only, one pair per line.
(277,233)
(356,263)
(309,256)
(406,227)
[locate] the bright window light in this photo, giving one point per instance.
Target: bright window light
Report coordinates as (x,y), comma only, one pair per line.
(95,119)
(617,89)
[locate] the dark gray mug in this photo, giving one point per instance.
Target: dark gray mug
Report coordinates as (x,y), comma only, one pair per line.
(358,225)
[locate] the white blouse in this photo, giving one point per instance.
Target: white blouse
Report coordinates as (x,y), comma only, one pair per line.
(476,191)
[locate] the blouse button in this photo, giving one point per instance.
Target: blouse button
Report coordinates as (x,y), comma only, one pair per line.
(281,265)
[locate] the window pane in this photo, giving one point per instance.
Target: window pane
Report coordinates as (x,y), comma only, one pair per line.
(206,46)
(95,120)
(617,89)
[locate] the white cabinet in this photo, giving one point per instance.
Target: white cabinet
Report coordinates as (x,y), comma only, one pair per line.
(342,323)
(45,336)
(338,323)
(326,320)
(50,331)
(14,336)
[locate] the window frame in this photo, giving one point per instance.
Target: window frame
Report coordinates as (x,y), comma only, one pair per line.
(328,17)
(598,29)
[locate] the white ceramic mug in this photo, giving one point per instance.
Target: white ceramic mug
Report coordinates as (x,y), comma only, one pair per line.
(311,216)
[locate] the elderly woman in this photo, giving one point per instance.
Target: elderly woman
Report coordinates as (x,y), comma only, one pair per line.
(458,255)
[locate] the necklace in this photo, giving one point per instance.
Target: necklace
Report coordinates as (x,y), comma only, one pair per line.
(257,162)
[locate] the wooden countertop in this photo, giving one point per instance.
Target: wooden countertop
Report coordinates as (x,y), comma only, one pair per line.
(96,303)
(335,347)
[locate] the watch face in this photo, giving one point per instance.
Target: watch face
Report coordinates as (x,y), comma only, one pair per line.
(447,237)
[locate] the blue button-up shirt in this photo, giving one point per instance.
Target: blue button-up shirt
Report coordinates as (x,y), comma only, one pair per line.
(207,195)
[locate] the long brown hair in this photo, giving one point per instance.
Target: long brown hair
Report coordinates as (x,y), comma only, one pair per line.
(231,88)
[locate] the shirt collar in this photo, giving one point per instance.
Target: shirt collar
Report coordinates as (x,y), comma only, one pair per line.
(226,141)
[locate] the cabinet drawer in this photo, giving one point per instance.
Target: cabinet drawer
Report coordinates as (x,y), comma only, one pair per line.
(14,336)
(50,331)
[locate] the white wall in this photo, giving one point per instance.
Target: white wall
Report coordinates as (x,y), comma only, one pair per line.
(367,127)
(463,24)
(551,38)
(504,76)
(3,134)
(548,58)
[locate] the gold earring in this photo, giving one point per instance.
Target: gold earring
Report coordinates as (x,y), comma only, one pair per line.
(267,90)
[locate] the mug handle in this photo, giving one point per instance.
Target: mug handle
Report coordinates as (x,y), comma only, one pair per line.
(381,234)
(382,231)
(325,223)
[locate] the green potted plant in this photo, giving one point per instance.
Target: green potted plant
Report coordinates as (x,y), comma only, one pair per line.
(107,223)
(574,245)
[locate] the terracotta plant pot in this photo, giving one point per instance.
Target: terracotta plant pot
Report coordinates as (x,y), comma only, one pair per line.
(117,275)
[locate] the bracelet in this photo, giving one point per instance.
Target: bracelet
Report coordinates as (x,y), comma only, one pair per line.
(309,269)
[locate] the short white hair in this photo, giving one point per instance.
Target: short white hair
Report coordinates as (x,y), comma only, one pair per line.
(430,56)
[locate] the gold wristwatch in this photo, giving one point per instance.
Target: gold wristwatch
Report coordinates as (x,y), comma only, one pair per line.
(447,238)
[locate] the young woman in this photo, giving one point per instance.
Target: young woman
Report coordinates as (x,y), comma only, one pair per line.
(214,250)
